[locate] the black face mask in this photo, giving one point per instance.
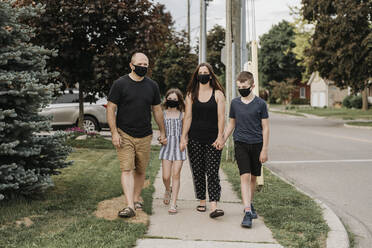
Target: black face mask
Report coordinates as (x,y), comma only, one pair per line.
(172,103)
(204,78)
(245,92)
(140,70)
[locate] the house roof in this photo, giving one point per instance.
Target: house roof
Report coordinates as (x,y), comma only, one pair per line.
(314,75)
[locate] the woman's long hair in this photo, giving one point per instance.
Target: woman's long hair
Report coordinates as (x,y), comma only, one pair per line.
(181,105)
(193,86)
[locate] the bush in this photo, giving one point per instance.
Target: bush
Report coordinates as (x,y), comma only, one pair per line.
(300,101)
(346,102)
(356,102)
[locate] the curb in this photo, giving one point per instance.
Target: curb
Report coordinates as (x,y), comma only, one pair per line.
(358,127)
(337,236)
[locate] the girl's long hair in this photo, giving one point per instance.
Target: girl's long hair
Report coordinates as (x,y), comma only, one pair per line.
(193,86)
(181,105)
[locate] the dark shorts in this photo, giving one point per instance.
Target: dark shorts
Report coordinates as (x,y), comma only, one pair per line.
(248,158)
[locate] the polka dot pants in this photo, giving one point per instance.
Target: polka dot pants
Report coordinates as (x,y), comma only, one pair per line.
(205,161)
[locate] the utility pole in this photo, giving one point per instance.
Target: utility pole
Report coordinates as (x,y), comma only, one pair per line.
(203,32)
(236,36)
(188,24)
(228,44)
(244,52)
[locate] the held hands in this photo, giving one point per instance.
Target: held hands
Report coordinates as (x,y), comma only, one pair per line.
(116,140)
(219,143)
(263,156)
(183,143)
(162,139)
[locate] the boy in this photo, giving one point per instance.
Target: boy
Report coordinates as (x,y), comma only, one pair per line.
(249,118)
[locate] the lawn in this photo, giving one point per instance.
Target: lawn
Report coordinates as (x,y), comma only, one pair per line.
(294,218)
(287,113)
(343,113)
(361,123)
(63,216)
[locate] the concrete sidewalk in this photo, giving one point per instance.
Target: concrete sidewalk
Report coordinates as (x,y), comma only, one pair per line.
(189,228)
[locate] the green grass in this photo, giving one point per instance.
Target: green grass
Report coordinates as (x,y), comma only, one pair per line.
(343,113)
(153,123)
(294,218)
(287,113)
(360,123)
(97,142)
(63,216)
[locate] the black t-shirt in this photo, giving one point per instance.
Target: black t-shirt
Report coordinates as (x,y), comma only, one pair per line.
(134,100)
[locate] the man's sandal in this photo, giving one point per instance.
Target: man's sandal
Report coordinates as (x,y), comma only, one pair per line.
(172,209)
(201,208)
(167,196)
(126,212)
(216,213)
(138,205)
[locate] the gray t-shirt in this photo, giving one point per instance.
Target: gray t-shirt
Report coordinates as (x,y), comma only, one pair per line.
(248,117)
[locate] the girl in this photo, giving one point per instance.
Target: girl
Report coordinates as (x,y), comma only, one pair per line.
(202,133)
(170,154)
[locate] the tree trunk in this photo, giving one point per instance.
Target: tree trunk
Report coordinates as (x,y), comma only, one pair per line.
(81,108)
(365,98)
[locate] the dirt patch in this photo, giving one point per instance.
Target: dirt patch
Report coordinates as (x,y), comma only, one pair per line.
(108,209)
(27,222)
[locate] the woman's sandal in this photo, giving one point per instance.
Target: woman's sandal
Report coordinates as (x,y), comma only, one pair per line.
(201,208)
(127,212)
(216,213)
(167,196)
(172,209)
(138,205)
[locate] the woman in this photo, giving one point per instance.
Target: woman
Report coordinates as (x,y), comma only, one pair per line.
(202,133)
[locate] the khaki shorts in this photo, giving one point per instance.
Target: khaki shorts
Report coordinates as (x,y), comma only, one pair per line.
(134,153)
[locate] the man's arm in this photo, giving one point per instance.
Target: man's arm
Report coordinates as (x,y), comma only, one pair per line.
(159,119)
(111,119)
(265,146)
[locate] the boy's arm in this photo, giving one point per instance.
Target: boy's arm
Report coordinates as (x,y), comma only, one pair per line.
(265,145)
(229,129)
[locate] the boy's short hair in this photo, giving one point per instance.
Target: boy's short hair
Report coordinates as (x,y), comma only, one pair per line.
(245,76)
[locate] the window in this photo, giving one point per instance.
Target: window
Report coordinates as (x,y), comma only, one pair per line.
(303,92)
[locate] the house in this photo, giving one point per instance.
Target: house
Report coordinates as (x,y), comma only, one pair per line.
(301,93)
(324,92)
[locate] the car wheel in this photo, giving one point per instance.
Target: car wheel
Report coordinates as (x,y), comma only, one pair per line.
(90,124)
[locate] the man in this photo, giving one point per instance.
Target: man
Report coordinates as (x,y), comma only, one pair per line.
(134,96)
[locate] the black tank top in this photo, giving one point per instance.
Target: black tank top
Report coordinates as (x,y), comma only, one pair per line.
(204,123)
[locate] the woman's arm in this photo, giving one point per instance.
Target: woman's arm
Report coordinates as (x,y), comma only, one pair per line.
(186,122)
(220,99)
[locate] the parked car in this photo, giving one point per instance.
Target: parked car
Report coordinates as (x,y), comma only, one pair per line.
(65,111)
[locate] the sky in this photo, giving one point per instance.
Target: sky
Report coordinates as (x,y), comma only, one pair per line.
(268,13)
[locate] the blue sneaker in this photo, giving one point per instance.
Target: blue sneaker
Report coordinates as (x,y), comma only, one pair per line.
(254,214)
(247,220)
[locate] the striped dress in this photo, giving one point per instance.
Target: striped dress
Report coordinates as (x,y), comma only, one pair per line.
(173,128)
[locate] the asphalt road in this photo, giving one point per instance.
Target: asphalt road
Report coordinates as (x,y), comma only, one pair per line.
(330,162)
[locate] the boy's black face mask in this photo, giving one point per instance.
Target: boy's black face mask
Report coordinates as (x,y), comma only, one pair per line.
(245,92)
